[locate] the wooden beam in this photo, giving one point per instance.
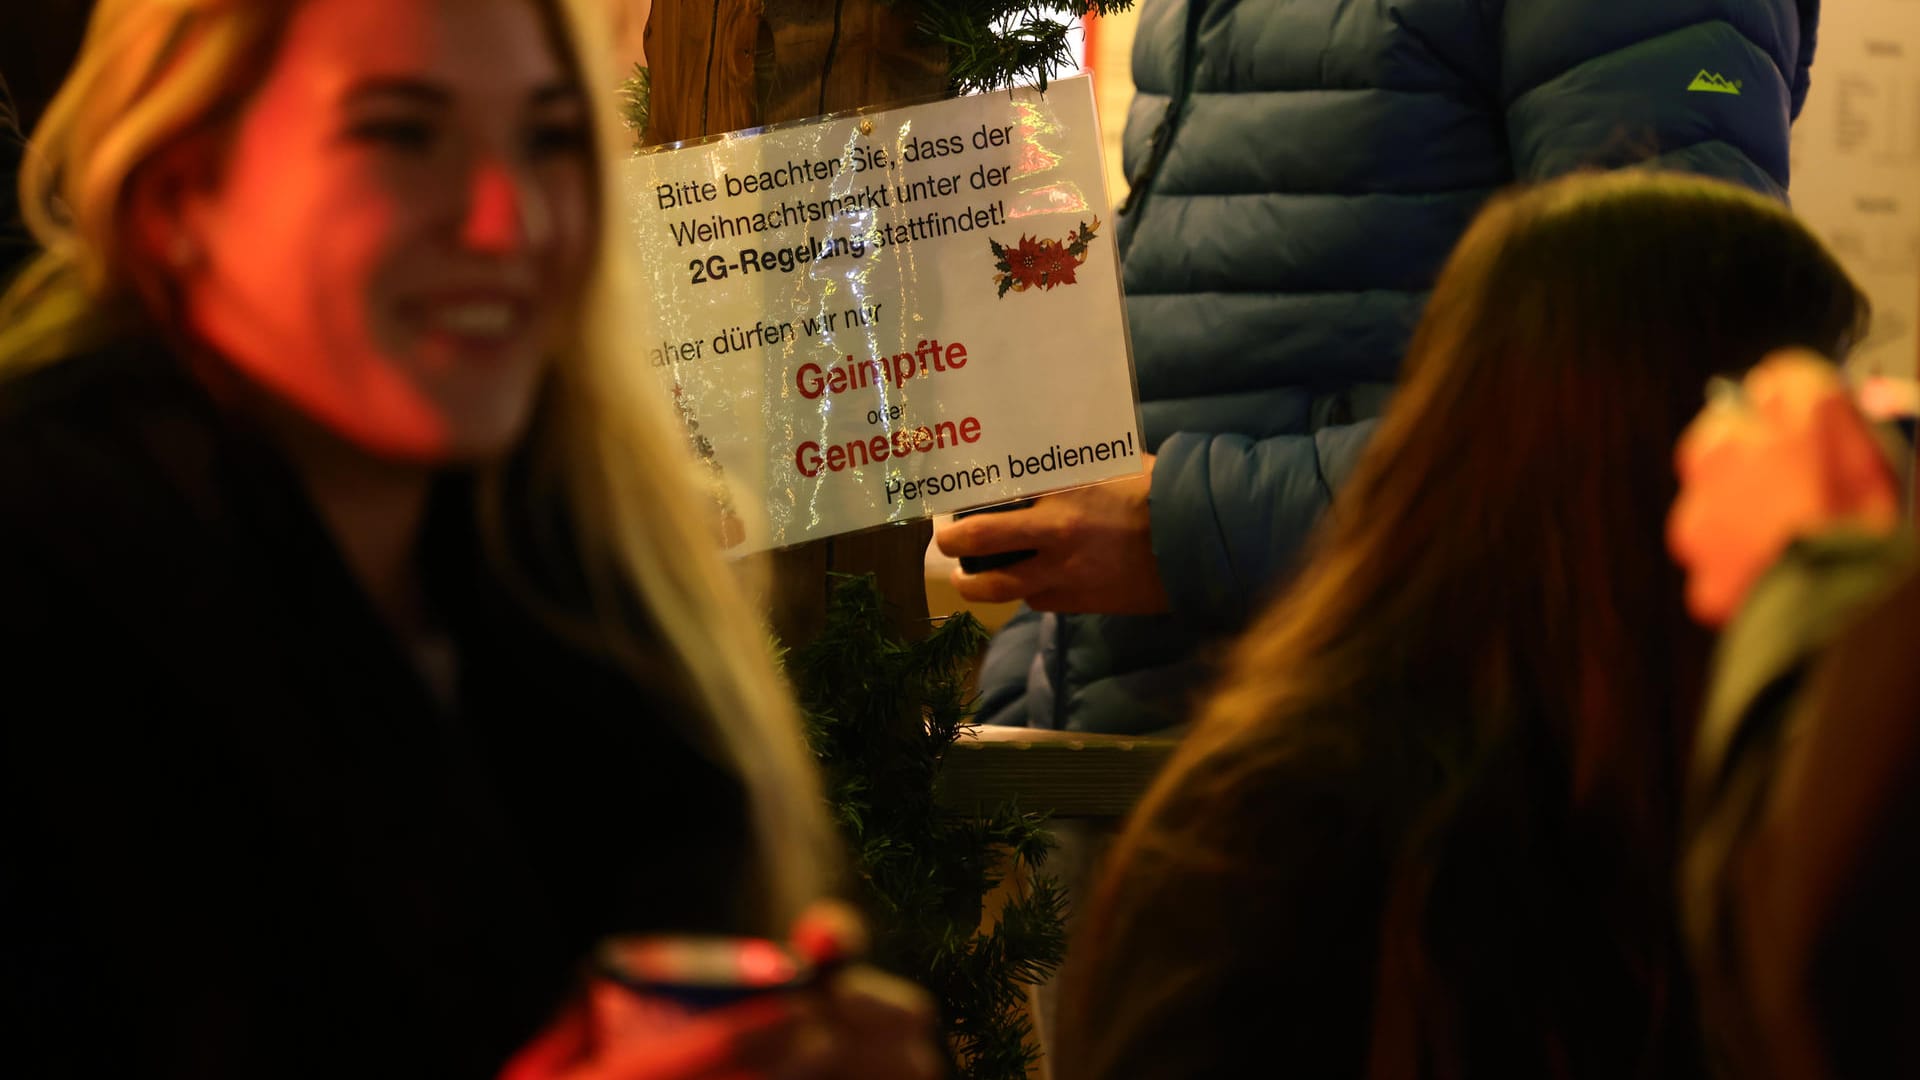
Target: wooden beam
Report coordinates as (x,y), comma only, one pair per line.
(722,65)
(830,56)
(701,55)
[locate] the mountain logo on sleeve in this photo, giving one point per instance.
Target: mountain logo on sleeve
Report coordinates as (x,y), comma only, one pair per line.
(1709,83)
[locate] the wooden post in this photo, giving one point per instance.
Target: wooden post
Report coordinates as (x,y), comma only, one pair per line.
(701,53)
(721,65)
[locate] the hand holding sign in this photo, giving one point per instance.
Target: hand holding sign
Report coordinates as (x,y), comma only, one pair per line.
(1093,552)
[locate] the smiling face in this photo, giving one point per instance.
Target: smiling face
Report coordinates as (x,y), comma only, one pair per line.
(395,233)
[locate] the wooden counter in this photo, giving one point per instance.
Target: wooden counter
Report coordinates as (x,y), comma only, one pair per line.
(1068,774)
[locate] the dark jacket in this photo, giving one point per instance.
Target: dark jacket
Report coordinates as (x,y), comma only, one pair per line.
(1802,875)
(1301,169)
(238,836)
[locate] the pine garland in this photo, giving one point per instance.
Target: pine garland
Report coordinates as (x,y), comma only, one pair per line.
(881,714)
(636,99)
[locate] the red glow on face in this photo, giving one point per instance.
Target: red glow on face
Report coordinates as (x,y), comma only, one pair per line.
(493,222)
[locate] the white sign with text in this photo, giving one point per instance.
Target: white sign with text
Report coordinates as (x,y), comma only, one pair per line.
(878,317)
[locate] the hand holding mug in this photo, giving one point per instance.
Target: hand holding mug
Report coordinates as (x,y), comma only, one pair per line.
(851,1021)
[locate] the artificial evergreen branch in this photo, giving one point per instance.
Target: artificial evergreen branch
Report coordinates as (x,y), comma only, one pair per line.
(636,97)
(881,714)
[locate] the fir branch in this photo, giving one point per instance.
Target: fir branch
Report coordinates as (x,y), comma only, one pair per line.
(636,97)
(881,714)
(995,43)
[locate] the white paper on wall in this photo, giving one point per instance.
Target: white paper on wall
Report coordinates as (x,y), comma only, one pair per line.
(1856,167)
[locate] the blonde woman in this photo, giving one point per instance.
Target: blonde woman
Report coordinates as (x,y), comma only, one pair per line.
(367,658)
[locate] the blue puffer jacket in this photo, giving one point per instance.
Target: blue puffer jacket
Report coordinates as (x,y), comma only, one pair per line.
(1301,170)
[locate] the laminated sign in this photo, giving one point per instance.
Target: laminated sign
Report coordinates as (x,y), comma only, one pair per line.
(876,317)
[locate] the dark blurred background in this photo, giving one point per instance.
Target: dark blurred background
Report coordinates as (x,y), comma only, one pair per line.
(38,40)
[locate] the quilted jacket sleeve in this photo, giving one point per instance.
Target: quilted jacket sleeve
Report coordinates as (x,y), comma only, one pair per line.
(1229,511)
(1706,86)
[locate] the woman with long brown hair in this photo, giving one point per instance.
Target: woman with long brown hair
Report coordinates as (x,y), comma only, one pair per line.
(1424,826)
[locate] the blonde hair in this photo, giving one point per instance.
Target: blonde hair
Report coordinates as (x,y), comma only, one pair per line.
(151,71)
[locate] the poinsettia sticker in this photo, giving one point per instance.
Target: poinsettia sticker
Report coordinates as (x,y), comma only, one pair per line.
(1044,264)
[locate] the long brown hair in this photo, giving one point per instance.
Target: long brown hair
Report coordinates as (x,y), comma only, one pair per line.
(1494,575)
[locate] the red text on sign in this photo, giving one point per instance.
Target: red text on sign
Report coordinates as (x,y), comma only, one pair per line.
(812,460)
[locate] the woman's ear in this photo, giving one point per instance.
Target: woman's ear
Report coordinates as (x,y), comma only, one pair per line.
(170,204)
